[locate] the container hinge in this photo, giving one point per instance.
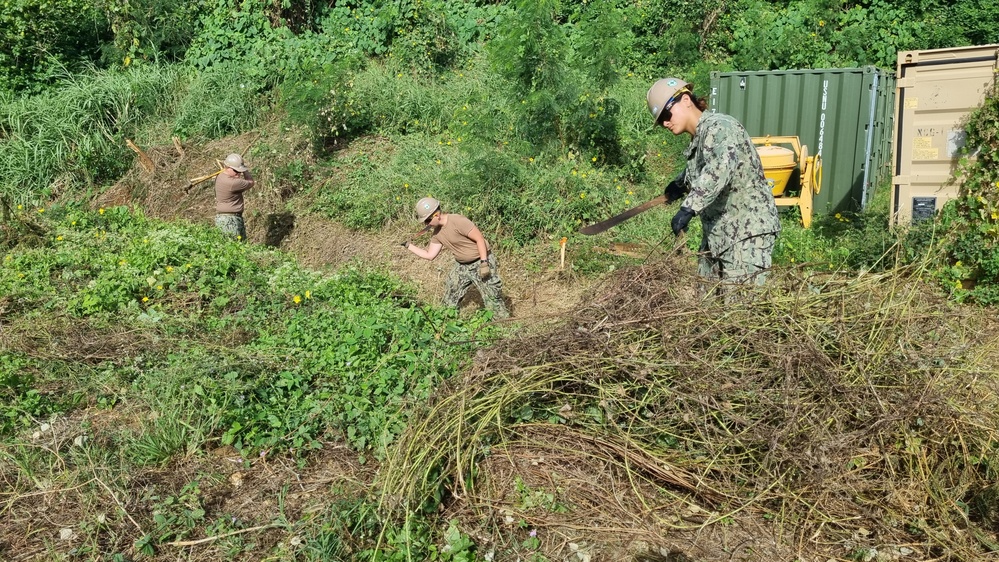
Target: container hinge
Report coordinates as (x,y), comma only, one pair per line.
(904,83)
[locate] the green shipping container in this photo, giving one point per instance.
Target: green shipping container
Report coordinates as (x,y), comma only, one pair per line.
(843,114)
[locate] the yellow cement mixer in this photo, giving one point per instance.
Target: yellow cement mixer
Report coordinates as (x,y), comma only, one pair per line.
(778,167)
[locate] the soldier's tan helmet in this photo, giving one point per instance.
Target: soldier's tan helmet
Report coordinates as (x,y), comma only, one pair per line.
(426,207)
(661,92)
(235,161)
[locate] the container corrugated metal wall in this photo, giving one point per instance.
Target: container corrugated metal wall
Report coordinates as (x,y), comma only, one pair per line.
(844,114)
(937,89)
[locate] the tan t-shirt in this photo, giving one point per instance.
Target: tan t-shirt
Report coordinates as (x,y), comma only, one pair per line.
(229,192)
(454,237)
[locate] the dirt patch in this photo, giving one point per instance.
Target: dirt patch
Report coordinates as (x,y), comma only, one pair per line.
(89,509)
(532,296)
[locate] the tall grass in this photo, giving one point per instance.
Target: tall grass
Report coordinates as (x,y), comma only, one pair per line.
(219,101)
(72,137)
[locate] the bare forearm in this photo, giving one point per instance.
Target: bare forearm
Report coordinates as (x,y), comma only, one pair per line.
(421,252)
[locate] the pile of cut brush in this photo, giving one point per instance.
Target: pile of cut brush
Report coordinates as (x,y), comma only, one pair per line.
(844,416)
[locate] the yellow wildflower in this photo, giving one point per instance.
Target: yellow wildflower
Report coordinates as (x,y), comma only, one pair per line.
(297,299)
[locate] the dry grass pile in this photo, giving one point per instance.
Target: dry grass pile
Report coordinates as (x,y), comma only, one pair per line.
(845,416)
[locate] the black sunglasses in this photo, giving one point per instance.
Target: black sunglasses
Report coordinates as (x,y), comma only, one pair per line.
(666,115)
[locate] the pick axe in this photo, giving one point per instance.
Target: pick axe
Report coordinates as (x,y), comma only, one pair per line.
(195,181)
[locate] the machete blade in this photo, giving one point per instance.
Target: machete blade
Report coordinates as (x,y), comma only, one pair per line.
(599,227)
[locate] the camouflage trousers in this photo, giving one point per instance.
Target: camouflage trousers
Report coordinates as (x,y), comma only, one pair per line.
(463,276)
(745,263)
(231,224)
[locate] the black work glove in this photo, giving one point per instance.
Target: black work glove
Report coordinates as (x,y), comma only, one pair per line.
(681,219)
(674,191)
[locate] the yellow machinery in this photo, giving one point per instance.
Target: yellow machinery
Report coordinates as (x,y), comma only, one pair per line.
(778,166)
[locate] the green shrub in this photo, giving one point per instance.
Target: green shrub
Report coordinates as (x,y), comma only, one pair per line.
(41,42)
(971,221)
(558,84)
(318,94)
(155,30)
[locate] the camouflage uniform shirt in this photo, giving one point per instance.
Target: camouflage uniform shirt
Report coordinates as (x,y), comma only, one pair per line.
(726,186)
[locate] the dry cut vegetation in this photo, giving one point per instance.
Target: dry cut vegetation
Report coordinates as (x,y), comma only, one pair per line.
(826,417)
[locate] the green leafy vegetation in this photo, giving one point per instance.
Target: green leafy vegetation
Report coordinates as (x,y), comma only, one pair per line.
(339,353)
(969,225)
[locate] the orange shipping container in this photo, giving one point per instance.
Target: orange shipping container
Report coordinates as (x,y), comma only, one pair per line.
(935,90)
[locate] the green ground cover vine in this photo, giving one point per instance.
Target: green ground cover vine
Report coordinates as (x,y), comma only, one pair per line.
(315,354)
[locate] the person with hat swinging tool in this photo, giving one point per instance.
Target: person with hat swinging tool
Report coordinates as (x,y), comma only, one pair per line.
(229,187)
(722,183)
(474,263)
